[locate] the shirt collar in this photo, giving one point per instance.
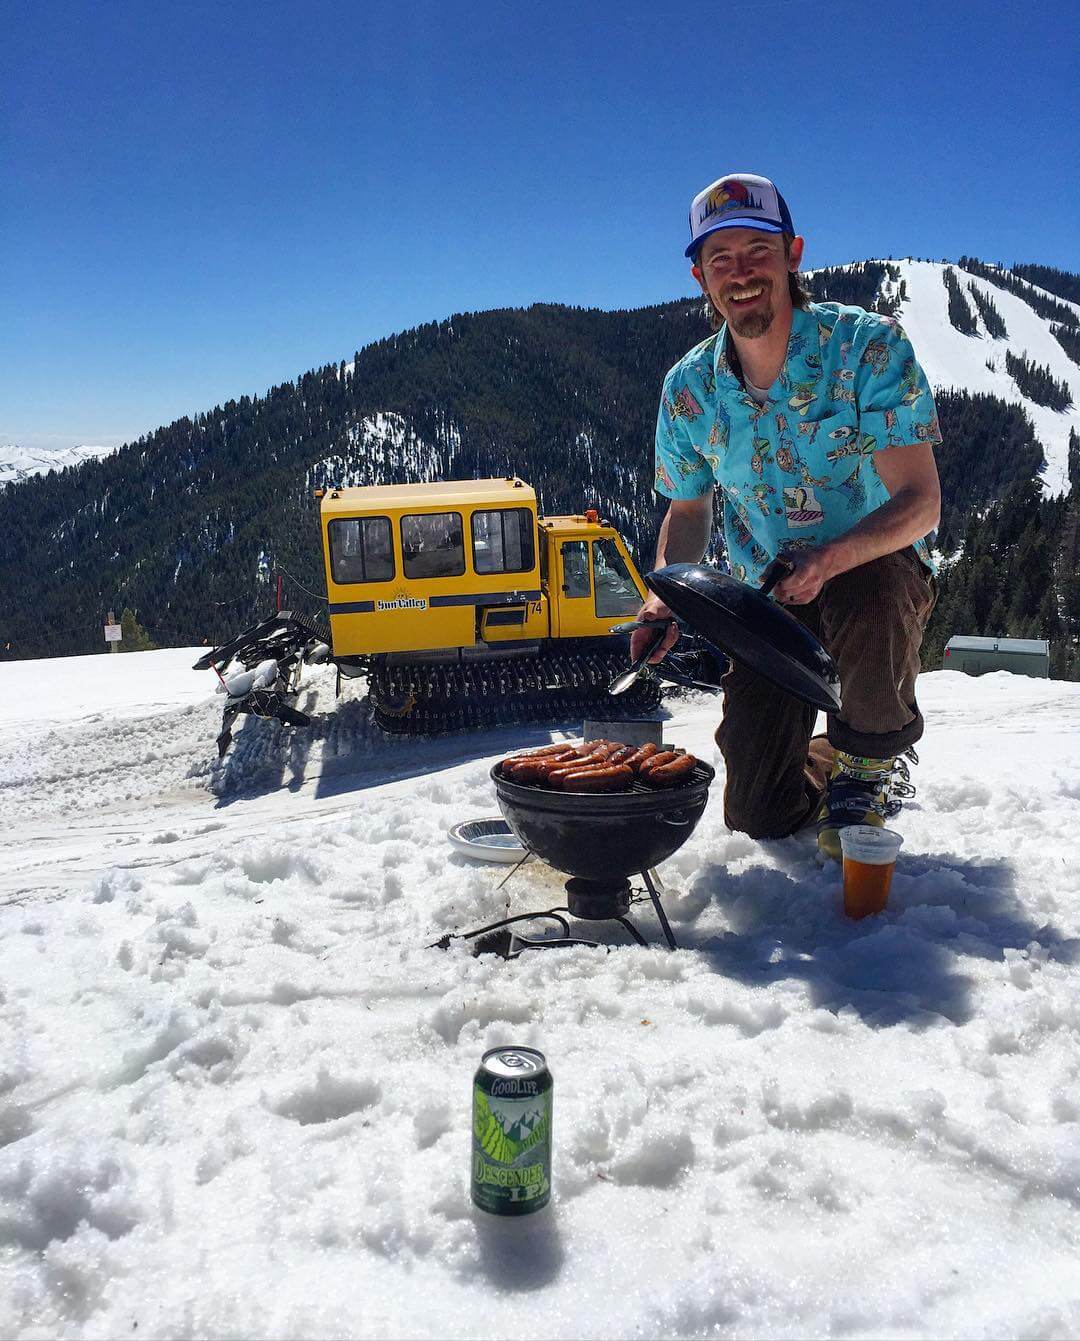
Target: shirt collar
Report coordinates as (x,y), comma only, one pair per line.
(726,361)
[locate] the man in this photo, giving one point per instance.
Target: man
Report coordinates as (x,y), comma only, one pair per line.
(818,426)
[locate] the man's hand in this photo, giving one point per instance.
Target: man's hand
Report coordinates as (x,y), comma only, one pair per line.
(910,476)
(653,609)
(813,568)
(684,537)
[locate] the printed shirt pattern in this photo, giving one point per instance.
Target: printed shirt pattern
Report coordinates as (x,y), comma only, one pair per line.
(799,470)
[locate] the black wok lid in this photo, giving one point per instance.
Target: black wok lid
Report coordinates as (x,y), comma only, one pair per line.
(743,622)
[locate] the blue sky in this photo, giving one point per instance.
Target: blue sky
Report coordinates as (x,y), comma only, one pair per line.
(201,200)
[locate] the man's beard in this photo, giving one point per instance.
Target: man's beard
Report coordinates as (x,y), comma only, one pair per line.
(752,325)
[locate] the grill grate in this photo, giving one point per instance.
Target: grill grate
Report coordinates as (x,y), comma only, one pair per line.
(702,774)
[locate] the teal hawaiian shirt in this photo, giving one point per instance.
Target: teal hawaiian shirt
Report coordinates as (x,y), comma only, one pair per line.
(799,470)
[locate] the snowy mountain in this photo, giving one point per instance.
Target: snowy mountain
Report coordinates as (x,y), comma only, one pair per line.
(20,463)
(187,525)
(235,1079)
(978,363)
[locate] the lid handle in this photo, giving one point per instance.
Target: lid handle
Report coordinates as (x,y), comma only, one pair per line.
(776,572)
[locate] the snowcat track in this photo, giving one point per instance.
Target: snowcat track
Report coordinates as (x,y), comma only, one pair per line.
(428,700)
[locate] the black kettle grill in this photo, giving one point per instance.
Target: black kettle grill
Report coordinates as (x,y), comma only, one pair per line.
(601,839)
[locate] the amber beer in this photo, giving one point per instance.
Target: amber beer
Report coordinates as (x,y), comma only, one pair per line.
(869,861)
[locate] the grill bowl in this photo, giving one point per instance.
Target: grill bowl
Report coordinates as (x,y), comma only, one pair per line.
(604,835)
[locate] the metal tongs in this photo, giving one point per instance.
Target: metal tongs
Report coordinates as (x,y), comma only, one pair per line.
(622,683)
(774,573)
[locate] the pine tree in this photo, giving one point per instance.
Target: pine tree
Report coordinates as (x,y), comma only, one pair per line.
(992,318)
(134,638)
(960,314)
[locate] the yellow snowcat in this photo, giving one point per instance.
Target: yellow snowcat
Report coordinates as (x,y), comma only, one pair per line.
(460,605)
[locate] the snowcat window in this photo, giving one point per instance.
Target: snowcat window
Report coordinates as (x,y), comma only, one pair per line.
(433,544)
(503,541)
(361,550)
(575,568)
(615,590)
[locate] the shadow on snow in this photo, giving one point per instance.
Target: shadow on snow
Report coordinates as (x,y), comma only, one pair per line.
(344,751)
(904,966)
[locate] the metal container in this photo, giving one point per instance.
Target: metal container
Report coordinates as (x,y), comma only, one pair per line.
(511,1146)
(601,836)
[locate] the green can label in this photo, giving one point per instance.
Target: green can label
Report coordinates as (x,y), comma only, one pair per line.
(511,1160)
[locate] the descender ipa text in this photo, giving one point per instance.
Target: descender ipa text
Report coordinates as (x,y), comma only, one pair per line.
(511,1146)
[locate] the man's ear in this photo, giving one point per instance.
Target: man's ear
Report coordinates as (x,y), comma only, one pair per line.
(695,270)
(795,253)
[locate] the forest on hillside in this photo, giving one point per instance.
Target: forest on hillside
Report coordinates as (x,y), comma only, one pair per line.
(186,527)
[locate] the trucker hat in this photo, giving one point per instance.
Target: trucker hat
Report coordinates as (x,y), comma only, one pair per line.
(739,200)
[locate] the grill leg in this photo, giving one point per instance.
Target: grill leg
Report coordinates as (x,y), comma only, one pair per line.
(664,923)
(625,922)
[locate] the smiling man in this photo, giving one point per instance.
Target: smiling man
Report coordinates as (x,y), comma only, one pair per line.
(817,425)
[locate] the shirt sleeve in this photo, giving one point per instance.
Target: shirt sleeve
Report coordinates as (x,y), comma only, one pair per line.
(681,471)
(896,405)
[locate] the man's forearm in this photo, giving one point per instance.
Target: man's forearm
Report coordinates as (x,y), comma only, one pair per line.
(684,538)
(905,518)
(685,532)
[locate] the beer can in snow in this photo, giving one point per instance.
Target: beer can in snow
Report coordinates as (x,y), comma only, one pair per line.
(511,1147)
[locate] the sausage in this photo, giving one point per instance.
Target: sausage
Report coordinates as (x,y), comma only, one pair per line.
(533,763)
(531,771)
(558,776)
(541,754)
(607,779)
(602,748)
(671,774)
(622,755)
(655,760)
(642,753)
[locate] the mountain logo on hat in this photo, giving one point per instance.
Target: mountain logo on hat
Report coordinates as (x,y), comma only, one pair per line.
(728,195)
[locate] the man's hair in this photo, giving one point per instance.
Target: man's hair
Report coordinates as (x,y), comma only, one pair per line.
(800,295)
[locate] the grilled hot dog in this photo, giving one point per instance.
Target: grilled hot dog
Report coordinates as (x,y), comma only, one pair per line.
(672,773)
(656,760)
(603,779)
(643,752)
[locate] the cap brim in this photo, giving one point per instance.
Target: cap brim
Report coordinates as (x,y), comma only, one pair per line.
(761,226)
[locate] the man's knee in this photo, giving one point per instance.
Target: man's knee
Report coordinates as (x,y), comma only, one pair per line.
(761,815)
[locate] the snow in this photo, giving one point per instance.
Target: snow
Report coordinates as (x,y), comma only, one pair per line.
(951,359)
(385,446)
(19,463)
(234,1082)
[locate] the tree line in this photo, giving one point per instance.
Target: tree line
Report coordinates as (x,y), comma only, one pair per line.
(186,527)
(1047,308)
(1037,383)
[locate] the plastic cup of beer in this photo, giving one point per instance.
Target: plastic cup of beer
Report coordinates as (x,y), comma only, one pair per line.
(869,861)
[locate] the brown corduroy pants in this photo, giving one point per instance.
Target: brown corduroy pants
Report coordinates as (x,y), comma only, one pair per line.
(871,621)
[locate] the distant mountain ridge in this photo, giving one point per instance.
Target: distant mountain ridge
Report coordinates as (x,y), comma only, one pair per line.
(20,463)
(186,525)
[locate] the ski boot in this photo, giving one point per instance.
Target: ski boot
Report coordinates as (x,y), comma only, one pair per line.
(862,791)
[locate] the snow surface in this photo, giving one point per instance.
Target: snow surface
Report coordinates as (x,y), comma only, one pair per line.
(19,463)
(234,1084)
(951,359)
